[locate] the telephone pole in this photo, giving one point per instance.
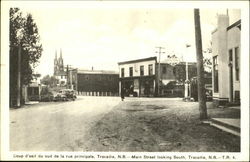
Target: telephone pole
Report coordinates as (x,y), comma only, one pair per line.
(67,71)
(200,69)
(159,68)
(19,76)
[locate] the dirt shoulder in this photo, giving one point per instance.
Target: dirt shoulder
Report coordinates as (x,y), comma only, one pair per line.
(160,125)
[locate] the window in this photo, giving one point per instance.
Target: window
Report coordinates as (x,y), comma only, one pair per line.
(216,75)
(61,77)
(150,69)
(237,64)
(131,71)
(141,70)
(122,72)
(164,69)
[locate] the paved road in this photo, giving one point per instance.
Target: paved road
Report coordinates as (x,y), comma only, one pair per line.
(56,126)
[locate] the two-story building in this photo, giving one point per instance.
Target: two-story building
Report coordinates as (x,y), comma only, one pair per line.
(141,77)
(226,61)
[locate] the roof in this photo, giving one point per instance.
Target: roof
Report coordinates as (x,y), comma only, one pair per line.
(138,60)
(236,24)
(96,72)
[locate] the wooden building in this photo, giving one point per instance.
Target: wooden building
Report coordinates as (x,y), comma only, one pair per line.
(95,82)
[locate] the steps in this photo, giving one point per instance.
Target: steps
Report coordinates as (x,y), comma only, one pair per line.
(227,124)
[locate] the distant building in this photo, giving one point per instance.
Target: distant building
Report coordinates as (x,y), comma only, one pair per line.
(59,71)
(32,91)
(94,82)
(141,77)
(226,61)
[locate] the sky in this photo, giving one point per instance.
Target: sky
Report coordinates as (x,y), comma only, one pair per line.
(100,37)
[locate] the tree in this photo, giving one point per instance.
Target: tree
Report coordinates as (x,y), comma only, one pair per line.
(207,62)
(180,71)
(23,32)
(49,81)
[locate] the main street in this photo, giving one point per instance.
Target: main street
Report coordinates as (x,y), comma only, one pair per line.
(56,126)
(108,124)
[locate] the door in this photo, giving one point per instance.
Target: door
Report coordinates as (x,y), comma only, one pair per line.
(230,75)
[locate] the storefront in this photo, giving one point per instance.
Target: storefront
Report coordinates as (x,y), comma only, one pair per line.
(138,86)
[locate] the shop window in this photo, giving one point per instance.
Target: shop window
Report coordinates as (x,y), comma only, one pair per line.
(216,74)
(131,71)
(150,69)
(237,64)
(141,70)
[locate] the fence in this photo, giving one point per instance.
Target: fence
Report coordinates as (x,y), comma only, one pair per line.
(81,93)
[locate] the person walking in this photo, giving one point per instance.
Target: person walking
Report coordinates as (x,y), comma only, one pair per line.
(122,93)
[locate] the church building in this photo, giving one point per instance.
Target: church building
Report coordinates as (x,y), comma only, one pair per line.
(59,71)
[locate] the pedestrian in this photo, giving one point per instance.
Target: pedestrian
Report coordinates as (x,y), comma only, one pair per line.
(122,93)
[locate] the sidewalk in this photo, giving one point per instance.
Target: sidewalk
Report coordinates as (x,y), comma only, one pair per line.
(227,119)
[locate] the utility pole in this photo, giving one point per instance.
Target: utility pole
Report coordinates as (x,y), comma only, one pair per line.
(159,67)
(200,69)
(19,76)
(67,71)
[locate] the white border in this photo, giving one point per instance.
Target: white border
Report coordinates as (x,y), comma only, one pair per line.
(242,156)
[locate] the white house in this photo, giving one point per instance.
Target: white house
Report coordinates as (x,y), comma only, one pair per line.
(226,61)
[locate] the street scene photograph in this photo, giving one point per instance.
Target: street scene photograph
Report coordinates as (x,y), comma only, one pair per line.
(125,79)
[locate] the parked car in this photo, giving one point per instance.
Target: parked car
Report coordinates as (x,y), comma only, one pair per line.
(70,94)
(65,95)
(60,96)
(46,95)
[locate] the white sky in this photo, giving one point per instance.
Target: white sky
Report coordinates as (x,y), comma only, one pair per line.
(101,37)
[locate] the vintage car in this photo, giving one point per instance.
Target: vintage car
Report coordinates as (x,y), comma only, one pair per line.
(65,95)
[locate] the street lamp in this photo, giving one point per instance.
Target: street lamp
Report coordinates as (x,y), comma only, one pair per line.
(187,93)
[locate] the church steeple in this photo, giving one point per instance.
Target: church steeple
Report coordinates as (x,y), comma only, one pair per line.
(55,64)
(58,63)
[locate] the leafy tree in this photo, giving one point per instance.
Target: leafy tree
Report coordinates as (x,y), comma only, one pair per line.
(180,71)
(23,31)
(180,68)
(49,81)
(207,61)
